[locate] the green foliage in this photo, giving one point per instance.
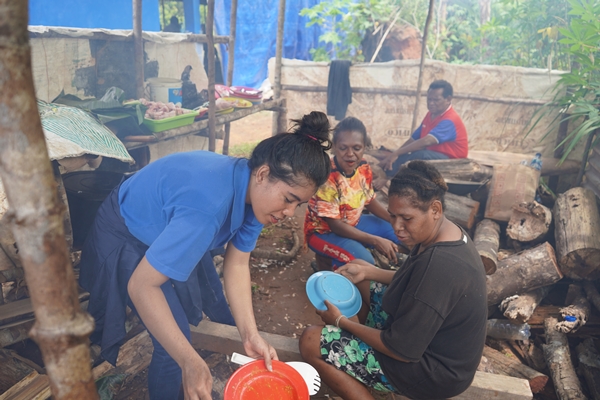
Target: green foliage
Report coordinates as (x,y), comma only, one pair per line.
(578,91)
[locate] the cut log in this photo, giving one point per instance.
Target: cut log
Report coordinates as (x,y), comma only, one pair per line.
(12,369)
(577,232)
(461,210)
(518,309)
(589,366)
(34,386)
(550,165)
(498,363)
(462,169)
(529,223)
(544,312)
(592,294)
(275,255)
(558,359)
(523,272)
(534,355)
(578,307)
(487,242)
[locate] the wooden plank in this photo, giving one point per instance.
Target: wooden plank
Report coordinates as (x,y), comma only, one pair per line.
(226,339)
(94,34)
(200,126)
(34,386)
(497,387)
(22,309)
(549,165)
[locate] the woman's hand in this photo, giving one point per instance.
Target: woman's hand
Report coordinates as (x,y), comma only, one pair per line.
(387,163)
(330,315)
(386,247)
(197,379)
(356,271)
(256,347)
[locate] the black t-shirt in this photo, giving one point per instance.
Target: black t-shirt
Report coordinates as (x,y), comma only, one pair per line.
(437,306)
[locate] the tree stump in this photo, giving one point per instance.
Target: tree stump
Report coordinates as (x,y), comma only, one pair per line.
(498,363)
(519,309)
(577,232)
(487,241)
(529,223)
(461,210)
(589,366)
(558,359)
(523,272)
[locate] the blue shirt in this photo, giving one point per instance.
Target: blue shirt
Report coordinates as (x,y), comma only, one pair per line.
(186,204)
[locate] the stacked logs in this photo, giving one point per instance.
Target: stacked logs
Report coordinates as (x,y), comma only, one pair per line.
(543,267)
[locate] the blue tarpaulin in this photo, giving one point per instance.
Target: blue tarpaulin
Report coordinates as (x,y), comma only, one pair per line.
(256,36)
(107,14)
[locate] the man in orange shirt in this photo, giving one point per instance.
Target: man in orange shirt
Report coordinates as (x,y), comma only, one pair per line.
(441,135)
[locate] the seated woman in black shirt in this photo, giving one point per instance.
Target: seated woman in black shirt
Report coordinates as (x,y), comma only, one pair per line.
(421,330)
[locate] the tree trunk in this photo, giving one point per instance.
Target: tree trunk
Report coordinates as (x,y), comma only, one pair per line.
(523,272)
(578,306)
(589,366)
(61,329)
(529,223)
(461,210)
(487,241)
(558,359)
(577,232)
(498,363)
(520,309)
(462,169)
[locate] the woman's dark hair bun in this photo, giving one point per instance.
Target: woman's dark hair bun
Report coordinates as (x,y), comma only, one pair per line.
(420,181)
(315,126)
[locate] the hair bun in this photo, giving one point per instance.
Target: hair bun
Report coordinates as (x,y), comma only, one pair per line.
(314,126)
(428,171)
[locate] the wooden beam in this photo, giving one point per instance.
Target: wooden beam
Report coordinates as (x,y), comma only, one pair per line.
(92,34)
(496,387)
(230,64)
(210,19)
(34,386)
(550,165)
(23,309)
(412,92)
(138,48)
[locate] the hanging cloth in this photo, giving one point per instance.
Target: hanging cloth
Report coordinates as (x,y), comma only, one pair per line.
(339,92)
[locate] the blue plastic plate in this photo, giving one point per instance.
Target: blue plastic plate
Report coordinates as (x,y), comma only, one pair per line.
(335,288)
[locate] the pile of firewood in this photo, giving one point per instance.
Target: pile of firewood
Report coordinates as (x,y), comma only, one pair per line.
(542,266)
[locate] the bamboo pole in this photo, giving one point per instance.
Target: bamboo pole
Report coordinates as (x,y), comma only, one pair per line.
(421,66)
(36,217)
(138,48)
(277,121)
(230,55)
(210,19)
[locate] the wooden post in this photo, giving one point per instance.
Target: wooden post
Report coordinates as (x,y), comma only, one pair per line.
(529,222)
(278,56)
(36,216)
(230,62)
(421,66)
(558,359)
(138,48)
(487,242)
(577,232)
(212,128)
(523,272)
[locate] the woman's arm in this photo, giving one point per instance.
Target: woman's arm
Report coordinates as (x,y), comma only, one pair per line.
(236,273)
(151,304)
(375,208)
(359,270)
(386,246)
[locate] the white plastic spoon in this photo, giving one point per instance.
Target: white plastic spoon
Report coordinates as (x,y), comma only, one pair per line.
(308,372)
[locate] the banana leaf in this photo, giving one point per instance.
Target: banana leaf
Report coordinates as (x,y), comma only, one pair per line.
(122,118)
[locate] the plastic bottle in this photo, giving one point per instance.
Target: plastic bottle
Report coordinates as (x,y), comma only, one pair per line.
(536,162)
(504,329)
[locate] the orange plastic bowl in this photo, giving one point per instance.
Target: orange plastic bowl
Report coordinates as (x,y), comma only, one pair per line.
(253,381)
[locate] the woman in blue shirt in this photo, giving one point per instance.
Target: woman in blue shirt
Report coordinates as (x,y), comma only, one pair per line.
(150,245)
